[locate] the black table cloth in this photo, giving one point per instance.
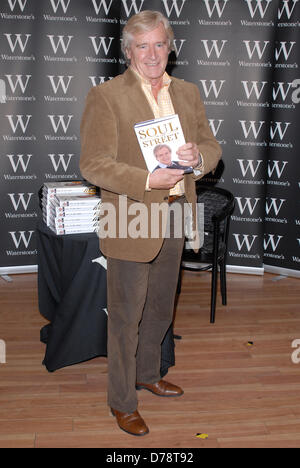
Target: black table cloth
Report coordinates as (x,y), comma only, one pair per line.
(72,296)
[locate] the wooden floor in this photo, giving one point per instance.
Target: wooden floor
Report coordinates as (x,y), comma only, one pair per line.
(237,394)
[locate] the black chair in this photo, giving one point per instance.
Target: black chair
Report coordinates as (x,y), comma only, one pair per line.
(218,207)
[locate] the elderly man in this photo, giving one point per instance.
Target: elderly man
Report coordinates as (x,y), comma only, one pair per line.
(142,272)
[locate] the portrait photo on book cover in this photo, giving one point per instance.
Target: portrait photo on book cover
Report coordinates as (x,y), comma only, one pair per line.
(163,156)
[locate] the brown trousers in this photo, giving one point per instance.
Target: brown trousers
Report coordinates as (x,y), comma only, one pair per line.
(140,310)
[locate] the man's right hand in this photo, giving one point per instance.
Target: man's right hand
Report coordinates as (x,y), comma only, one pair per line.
(165,179)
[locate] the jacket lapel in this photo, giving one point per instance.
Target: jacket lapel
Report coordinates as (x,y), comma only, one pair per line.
(138,101)
(179,104)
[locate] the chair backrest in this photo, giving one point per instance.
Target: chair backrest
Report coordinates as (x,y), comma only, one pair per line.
(218,206)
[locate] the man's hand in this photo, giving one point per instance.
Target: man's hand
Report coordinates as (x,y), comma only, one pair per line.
(165,179)
(188,155)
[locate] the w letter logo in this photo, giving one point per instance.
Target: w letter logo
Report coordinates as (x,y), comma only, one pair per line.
(215,5)
(171,5)
(13,3)
(63,3)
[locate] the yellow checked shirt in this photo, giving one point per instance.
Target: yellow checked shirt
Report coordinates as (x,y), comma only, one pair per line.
(161,108)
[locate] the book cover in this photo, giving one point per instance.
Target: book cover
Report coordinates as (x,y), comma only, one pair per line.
(159,140)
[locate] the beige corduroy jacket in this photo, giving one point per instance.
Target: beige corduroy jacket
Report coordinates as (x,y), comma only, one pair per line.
(111,159)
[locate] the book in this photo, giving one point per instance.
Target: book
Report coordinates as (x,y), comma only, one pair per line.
(65,225)
(75,187)
(91,201)
(70,211)
(83,230)
(77,219)
(159,140)
(70,207)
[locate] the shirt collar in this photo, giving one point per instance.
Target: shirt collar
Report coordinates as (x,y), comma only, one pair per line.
(166,79)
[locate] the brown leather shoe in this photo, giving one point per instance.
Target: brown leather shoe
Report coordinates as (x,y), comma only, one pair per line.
(132,423)
(161,388)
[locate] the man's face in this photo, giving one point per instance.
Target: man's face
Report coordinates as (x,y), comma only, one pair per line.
(149,53)
(163,155)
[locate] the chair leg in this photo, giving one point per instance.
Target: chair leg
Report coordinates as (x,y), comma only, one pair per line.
(214,285)
(223,282)
(214,273)
(179,282)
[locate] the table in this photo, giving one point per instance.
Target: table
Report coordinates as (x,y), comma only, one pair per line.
(72,297)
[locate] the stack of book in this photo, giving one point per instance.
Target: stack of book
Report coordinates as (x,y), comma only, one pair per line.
(71,207)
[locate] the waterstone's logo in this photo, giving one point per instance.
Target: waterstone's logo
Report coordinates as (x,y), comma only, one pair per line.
(20,126)
(60,125)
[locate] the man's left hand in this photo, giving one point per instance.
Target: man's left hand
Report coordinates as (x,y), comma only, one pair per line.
(188,155)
